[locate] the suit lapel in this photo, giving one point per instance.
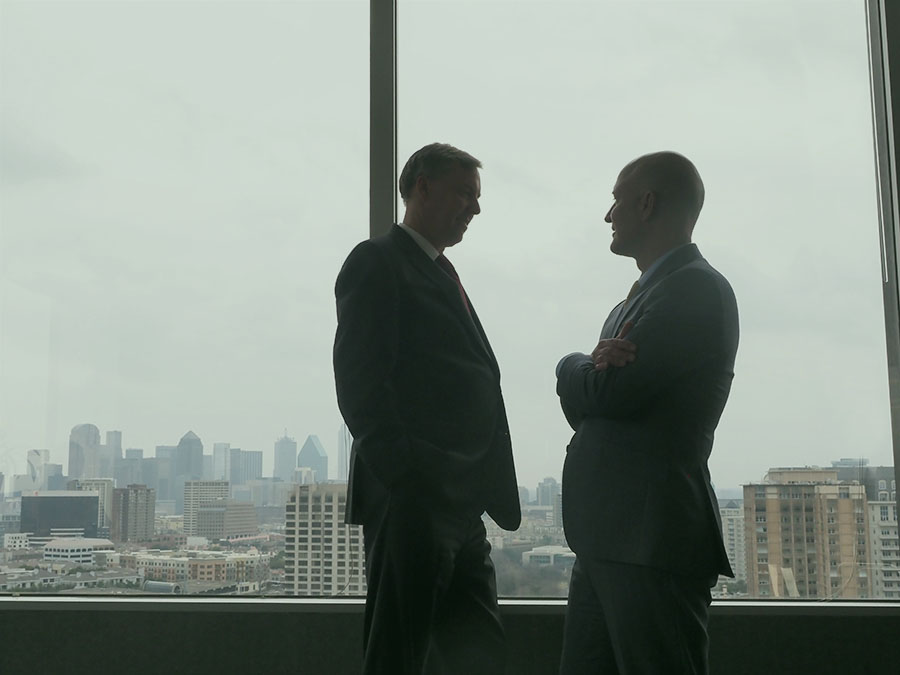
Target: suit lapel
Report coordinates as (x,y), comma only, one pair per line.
(676,261)
(428,268)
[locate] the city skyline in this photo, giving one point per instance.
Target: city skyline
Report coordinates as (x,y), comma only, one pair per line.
(269,459)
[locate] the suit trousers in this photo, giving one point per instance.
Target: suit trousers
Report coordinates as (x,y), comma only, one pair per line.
(635,620)
(431,605)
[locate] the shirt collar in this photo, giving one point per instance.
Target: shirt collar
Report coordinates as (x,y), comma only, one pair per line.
(658,263)
(423,243)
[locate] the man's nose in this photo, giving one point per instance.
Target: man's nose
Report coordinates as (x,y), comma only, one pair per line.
(607,217)
(477,208)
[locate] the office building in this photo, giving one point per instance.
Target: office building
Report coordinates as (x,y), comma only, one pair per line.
(243,466)
(220,461)
(322,555)
(84,448)
(47,513)
(189,457)
(110,454)
(166,485)
(313,456)
(226,519)
(80,550)
(104,489)
(197,493)
(285,458)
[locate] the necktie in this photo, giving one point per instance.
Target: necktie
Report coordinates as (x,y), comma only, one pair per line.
(447,266)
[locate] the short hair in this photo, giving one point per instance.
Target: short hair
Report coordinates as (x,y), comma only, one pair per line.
(433,161)
(674,180)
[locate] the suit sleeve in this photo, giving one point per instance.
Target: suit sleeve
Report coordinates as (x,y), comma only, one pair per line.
(365,354)
(681,329)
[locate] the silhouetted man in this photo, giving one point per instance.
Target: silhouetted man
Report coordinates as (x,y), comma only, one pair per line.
(638,507)
(419,388)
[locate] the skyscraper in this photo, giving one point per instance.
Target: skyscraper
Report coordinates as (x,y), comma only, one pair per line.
(110,455)
(345,443)
(37,461)
(84,446)
(220,460)
(243,465)
(313,456)
(189,457)
(285,458)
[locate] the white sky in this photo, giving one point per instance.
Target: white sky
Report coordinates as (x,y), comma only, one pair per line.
(181,181)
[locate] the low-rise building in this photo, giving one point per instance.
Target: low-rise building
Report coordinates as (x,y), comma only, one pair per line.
(80,551)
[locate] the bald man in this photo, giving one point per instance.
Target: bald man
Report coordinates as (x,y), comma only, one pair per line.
(638,505)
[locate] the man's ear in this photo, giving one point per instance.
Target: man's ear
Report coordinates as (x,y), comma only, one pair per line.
(422,185)
(647,204)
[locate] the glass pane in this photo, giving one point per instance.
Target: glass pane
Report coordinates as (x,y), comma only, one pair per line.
(771,102)
(180,184)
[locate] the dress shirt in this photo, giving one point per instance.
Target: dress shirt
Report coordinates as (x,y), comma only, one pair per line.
(423,243)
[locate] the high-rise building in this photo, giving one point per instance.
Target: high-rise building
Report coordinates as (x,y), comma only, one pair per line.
(62,510)
(53,477)
(345,444)
(132,513)
(84,447)
(732,513)
(322,555)
(189,457)
(285,458)
(547,490)
(220,461)
(166,486)
(128,469)
(243,466)
(880,481)
(37,461)
(196,494)
(226,519)
(313,455)
(104,489)
(110,454)
(885,553)
(806,536)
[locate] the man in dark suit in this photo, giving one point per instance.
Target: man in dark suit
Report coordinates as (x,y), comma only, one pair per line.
(419,388)
(638,506)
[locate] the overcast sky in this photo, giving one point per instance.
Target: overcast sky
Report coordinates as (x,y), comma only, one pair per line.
(181,181)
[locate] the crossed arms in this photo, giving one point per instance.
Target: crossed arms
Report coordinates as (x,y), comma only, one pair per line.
(681,329)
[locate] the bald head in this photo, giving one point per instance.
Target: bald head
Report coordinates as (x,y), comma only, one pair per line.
(658,198)
(675,183)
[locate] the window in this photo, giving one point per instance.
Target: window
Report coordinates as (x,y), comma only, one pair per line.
(554,113)
(173,218)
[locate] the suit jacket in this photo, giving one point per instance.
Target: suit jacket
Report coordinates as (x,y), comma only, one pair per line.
(636,486)
(419,387)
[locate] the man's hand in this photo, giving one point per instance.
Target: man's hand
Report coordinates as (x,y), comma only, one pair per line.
(615,351)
